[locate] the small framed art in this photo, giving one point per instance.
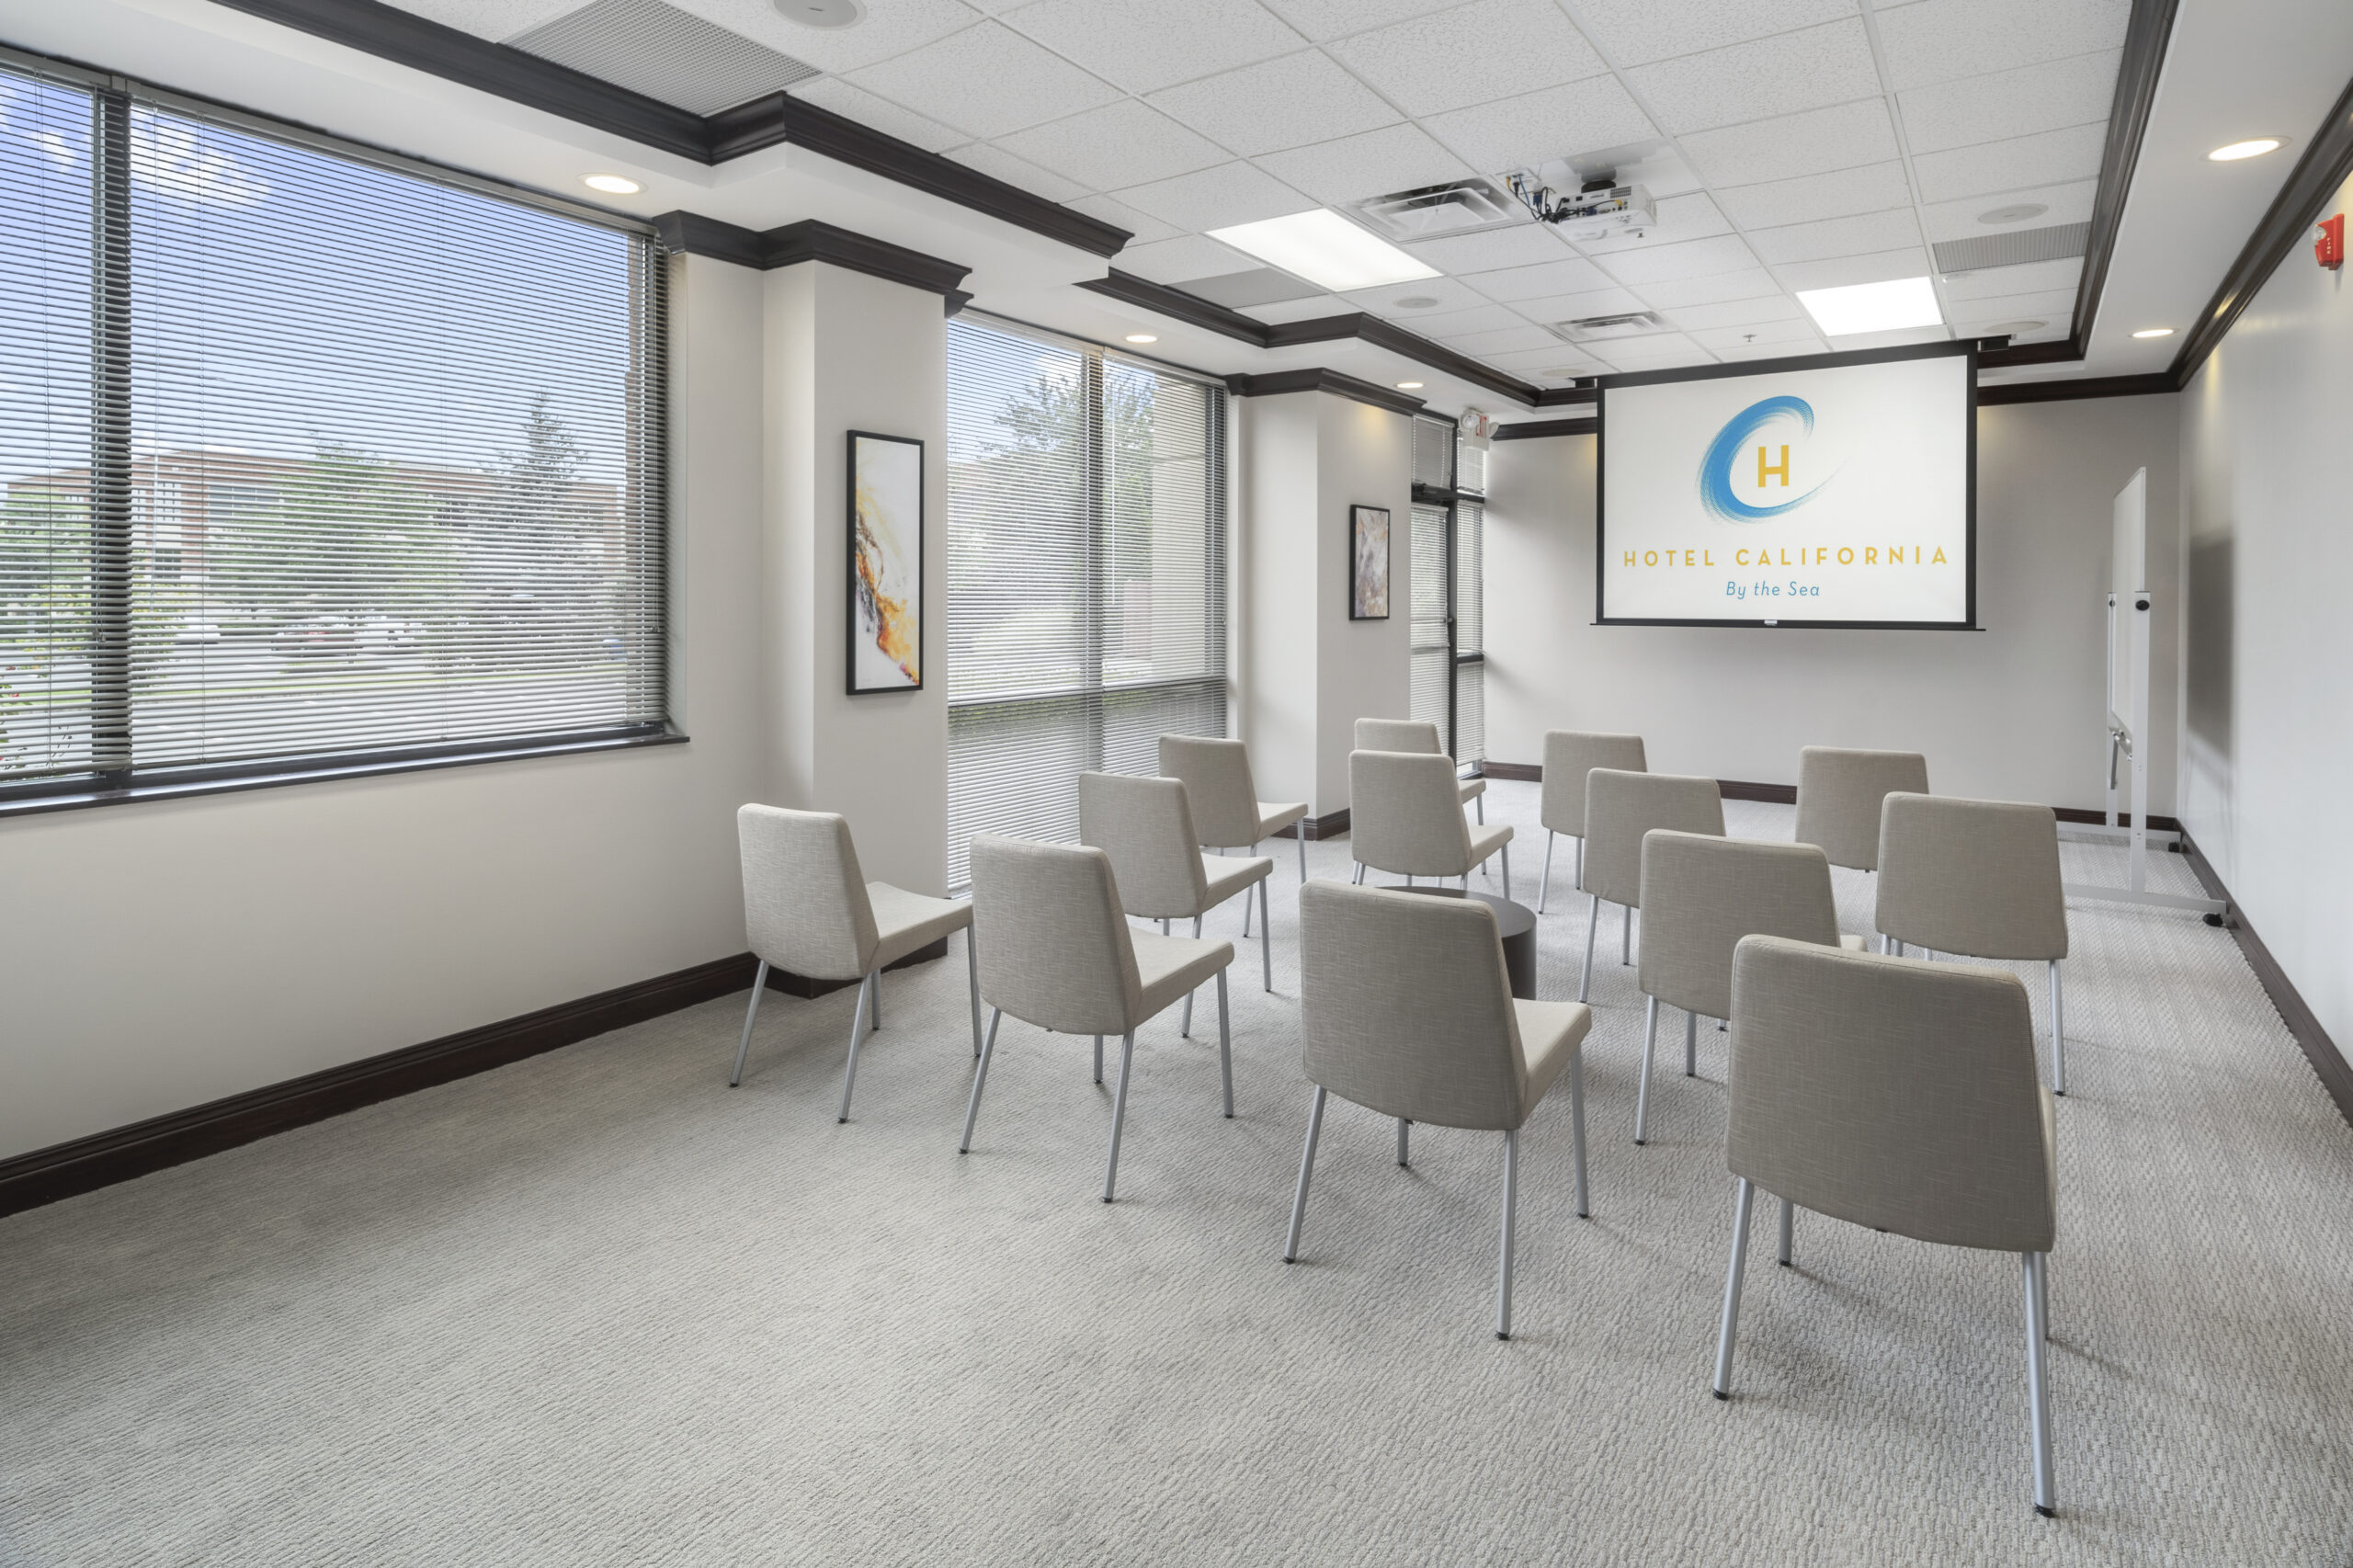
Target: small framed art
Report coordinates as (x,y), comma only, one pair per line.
(1368,563)
(885,562)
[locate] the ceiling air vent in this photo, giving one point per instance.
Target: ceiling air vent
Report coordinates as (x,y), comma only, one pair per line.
(2014,249)
(665,53)
(1429,210)
(1598,329)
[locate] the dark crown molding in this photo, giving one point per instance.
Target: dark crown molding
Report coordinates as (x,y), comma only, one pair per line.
(1274,384)
(2062,390)
(1533,429)
(810,240)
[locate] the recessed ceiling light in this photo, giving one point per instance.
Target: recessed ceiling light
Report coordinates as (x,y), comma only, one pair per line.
(2017,212)
(1873,307)
(2154,332)
(1409,386)
(1325,249)
(617,184)
(822,13)
(1142,337)
(2237,150)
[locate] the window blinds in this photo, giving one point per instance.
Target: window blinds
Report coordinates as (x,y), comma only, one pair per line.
(1086,574)
(1447,674)
(332,460)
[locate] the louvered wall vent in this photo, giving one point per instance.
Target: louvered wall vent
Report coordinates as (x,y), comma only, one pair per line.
(1427,211)
(665,53)
(2014,249)
(1592,329)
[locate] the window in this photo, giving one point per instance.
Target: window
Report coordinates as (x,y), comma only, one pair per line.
(1086,574)
(1447,680)
(311,459)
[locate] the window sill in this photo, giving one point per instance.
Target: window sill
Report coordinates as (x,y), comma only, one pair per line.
(271,775)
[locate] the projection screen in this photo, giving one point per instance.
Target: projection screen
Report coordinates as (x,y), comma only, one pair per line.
(1835,491)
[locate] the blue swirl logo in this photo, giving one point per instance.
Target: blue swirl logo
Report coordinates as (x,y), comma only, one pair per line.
(1732,443)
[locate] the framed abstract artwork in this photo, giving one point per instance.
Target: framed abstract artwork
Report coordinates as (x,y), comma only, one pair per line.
(1368,563)
(885,562)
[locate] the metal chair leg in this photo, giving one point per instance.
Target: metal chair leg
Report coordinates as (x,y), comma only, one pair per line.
(1300,831)
(1544,884)
(1788,1233)
(1306,1169)
(1246,914)
(1266,939)
(1576,1129)
(1625,933)
(1479,804)
(1895,945)
(1357,876)
(1730,1323)
(1185,1029)
(1118,1112)
(981,1076)
(874,1009)
(1098,1059)
(2046,1501)
(1506,853)
(2058,1034)
(1580,866)
(1690,1045)
(1225,1044)
(972,966)
(869,987)
(1405,1144)
(759,983)
(1592,924)
(1511,1214)
(1650,1046)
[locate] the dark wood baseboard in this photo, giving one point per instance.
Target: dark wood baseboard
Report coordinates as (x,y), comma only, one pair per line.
(1775,794)
(1787,795)
(1332,825)
(1525,772)
(84,1165)
(2335,1073)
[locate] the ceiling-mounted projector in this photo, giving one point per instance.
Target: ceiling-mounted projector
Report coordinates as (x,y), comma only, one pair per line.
(1602,208)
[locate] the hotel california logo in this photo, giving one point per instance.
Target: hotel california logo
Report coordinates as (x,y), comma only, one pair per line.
(1731,448)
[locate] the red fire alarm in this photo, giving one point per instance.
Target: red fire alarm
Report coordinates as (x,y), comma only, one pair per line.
(2329,249)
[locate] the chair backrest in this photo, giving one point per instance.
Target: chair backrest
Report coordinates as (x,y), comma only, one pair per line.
(805,907)
(1145,825)
(1218,786)
(1406,1008)
(1569,755)
(1978,878)
(1839,793)
(1702,894)
(1054,949)
(1397,735)
(1890,1093)
(1619,807)
(1406,813)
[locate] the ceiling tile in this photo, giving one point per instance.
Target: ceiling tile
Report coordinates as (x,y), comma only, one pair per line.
(1938,41)
(1755,332)
(2010,102)
(1450,294)
(1121,144)
(1580,305)
(2034,278)
(985,81)
(1792,350)
(1738,313)
(1680,218)
(2055,308)
(1144,45)
(1659,351)
(837,93)
(1695,258)
(1374,164)
(1472,55)
(1569,275)
(1186,257)
(1526,131)
(1313,309)
(1755,283)
(1321,19)
(1510,339)
(1638,31)
(1458,324)
(1144,227)
(995,162)
(1874,187)
(1756,80)
(887,32)
(2014,164)
(1277,104)
(1817,142)
(498,20)
(1524,245)
(1890,230)
(1216,198)
(1526,361)
(1837,272)
(2070,203)
(1850,341)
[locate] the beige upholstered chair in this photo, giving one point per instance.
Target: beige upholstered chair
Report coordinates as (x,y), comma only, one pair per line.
(1406,1009)
(1405,818)
(1979,879)
(1145,825)
(1062,957)
(1898,1095)
(1226,809)
(1417,734)
(1619,808)
(808,909)
(1839,794)
(1569,755)
(1700,895)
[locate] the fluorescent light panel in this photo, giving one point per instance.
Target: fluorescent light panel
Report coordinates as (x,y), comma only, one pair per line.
(1325,249)
(1873,307)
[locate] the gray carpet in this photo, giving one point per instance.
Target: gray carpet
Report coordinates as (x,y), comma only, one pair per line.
(595,1308)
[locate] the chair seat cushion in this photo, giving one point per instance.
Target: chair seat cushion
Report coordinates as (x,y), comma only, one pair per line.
(1485,841)
(1229,875)
(1851,942)
(1550,1034)
(1472,789)
(1170,966)
(1273,817)
(905,921)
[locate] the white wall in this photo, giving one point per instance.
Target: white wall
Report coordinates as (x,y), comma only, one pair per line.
(153,957)
(2267,743)
(1364,457)
(2012,713)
